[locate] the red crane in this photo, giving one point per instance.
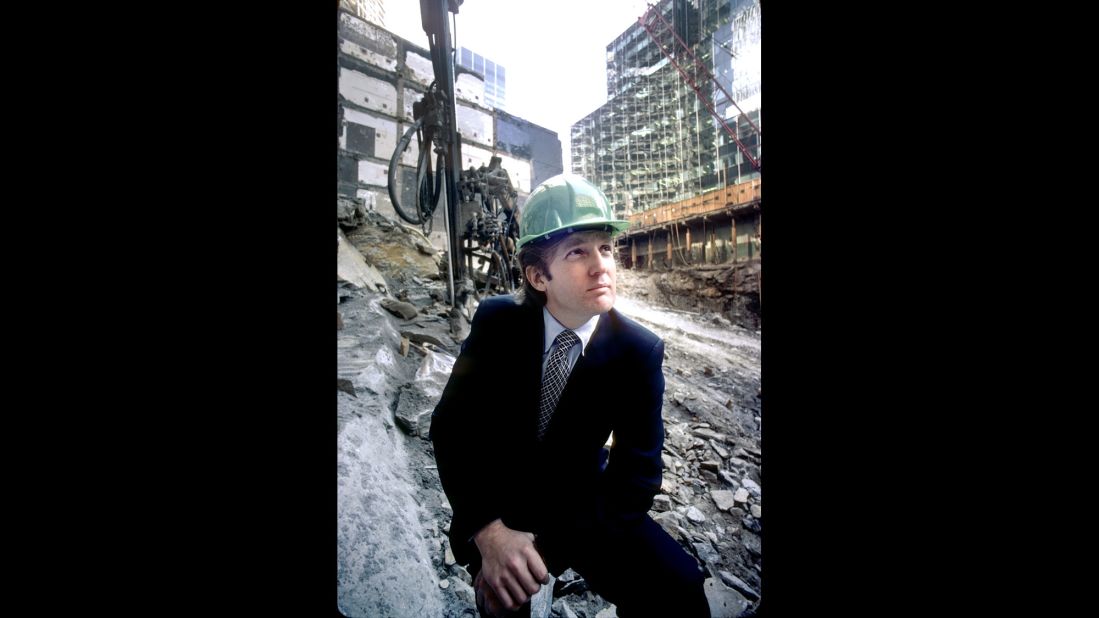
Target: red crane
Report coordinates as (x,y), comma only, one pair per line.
(655,24)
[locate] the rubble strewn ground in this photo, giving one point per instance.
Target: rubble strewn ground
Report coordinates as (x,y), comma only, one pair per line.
(395,348)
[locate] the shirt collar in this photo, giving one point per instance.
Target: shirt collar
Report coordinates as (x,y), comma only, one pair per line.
(554,328)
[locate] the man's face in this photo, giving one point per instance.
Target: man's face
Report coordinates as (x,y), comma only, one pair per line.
(583,278)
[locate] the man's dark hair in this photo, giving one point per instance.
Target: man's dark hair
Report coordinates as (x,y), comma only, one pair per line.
(537,254)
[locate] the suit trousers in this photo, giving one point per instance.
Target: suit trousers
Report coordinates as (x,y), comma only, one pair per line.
(634,564)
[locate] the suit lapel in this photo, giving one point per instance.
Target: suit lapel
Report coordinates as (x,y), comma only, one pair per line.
(531,368)
(588,367)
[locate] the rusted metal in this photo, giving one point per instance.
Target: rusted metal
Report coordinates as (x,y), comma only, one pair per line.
(717,200)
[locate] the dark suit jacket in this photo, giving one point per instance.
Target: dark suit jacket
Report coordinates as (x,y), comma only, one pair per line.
(483,428)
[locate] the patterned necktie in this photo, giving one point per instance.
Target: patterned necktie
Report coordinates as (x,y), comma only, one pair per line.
(553,382)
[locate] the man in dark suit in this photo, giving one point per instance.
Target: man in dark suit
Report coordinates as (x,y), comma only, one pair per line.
(519,433)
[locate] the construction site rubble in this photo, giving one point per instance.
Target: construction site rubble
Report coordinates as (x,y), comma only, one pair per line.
(395,351)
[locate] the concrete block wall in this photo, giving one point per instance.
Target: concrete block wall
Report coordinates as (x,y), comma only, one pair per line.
(381,75)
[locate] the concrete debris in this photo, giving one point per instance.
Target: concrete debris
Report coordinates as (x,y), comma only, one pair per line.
(542,601)
(706,553)
(751,523)
(399,308)
(461,573)
(569,583)
(709,433)
(738,584)
(465,593)
(609,612)
(752,487)
(413,413)
(350,212)
(425,248)
(710,456)
(724,499)
(662,503)
(721,452)
(459,325)
(354,269)
(747,454)
(738,462)
(420,335)
(724,602)
(339,321)
(561,608)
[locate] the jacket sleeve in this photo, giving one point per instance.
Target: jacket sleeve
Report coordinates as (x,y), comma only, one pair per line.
(634,473)
(461,431)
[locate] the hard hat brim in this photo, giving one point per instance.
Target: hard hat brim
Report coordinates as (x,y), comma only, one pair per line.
(614,226)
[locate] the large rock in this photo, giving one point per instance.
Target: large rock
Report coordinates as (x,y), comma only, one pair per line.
(394,249)
(706,552)
(399,308)
(542,602)
(723,498)
(354,269)
(561,608)
(420,334)
(662,503)
(739,585)
(384,567)
(413,413)
(724,601)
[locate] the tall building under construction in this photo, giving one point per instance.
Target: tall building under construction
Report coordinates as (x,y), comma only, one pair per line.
(662,147)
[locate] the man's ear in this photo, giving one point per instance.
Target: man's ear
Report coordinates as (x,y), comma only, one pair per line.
(534,276)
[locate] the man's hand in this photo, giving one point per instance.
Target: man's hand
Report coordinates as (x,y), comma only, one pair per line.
(510,564)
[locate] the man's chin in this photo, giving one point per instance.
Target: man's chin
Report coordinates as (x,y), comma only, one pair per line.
(605,302)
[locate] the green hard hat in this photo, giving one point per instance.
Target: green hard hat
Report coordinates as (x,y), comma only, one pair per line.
(566,202)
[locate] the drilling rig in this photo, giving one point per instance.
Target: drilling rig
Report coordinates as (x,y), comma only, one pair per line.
(480,215)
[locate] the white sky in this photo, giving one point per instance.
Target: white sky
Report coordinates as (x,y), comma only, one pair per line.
(555,51)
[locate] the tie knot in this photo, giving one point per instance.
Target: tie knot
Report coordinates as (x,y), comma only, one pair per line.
(566,339)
